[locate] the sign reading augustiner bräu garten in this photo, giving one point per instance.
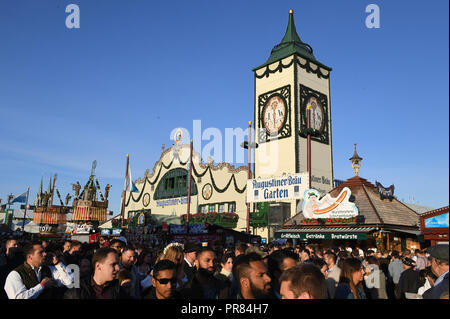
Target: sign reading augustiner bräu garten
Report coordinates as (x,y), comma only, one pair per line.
(288,187)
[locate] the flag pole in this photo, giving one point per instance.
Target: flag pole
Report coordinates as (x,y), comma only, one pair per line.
(189,188)
(124,192)
(308,141)
(249,176)
(25,213)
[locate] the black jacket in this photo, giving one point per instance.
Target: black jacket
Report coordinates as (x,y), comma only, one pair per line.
(215,289)
(150,293)
(86,291)
(409,282)
(189,271)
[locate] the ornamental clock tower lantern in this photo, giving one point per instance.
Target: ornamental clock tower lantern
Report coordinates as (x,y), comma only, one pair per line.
(285,84)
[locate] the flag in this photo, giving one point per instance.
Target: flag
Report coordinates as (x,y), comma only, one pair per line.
(129,185)
(22,198)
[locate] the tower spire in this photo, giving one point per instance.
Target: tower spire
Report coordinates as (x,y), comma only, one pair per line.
(291,44)
(291,34)
(356,161)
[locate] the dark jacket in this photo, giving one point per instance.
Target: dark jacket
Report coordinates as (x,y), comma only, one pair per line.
(215,289)
(69,259)
(189,271)
(86,291)
(436,291)
(409,282)
(150,293)
(7,264)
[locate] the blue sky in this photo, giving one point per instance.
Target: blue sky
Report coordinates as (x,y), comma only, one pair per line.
(137,69)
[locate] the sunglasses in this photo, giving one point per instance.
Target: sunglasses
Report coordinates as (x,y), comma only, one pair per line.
(165,281)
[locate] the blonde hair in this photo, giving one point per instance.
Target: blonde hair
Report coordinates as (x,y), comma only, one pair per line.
(174,253)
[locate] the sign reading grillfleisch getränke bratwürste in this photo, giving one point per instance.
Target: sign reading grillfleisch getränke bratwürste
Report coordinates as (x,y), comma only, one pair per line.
(288,187)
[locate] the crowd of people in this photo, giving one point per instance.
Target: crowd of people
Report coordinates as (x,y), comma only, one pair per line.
(118,269)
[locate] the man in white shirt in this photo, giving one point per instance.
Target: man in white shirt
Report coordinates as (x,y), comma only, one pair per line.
(33,279)
(190,255)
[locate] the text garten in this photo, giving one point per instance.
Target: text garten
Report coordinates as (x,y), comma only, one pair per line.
(283,193)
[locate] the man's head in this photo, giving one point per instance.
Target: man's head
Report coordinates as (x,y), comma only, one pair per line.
(330,259)
(395,254)
(34,254)
(304,281)
(251,274)
(106,264)
(85,266)
(240,249)
(164,279)
(278,262)
(128,257)
(75,247)
(408,263)
(205,261)
(322,265)
(304,254)
(118,245)
(190,252)
(11,244)
(439,259)
(125,280)
(67,245)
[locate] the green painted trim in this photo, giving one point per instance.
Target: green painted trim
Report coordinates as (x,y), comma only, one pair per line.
(291,44)
(147,180)
(306,66)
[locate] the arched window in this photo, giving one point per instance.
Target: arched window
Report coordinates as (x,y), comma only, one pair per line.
(174,184)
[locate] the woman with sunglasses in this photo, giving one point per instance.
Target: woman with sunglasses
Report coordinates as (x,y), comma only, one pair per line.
(350,282)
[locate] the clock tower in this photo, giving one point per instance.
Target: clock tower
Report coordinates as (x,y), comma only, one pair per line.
(285,84)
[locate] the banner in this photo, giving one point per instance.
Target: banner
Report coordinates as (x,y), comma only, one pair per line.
(439,221)
(282,188)
(336,236)
(20,199)
(327,206)
(193,229)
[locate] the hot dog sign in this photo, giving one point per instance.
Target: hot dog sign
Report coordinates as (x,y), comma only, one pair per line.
(328,207)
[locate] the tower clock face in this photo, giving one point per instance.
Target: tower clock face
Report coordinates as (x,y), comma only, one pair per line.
(274,114)
(316,119)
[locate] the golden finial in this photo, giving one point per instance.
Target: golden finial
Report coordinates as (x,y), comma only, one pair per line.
(291,11)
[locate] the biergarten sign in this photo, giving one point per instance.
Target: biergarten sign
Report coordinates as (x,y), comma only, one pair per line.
(328,207)
(287,187)
(337,236)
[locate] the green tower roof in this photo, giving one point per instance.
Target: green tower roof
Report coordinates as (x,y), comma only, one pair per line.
(291,44)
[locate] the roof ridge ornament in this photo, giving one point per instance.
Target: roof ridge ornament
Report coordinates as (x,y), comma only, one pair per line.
(356,161)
